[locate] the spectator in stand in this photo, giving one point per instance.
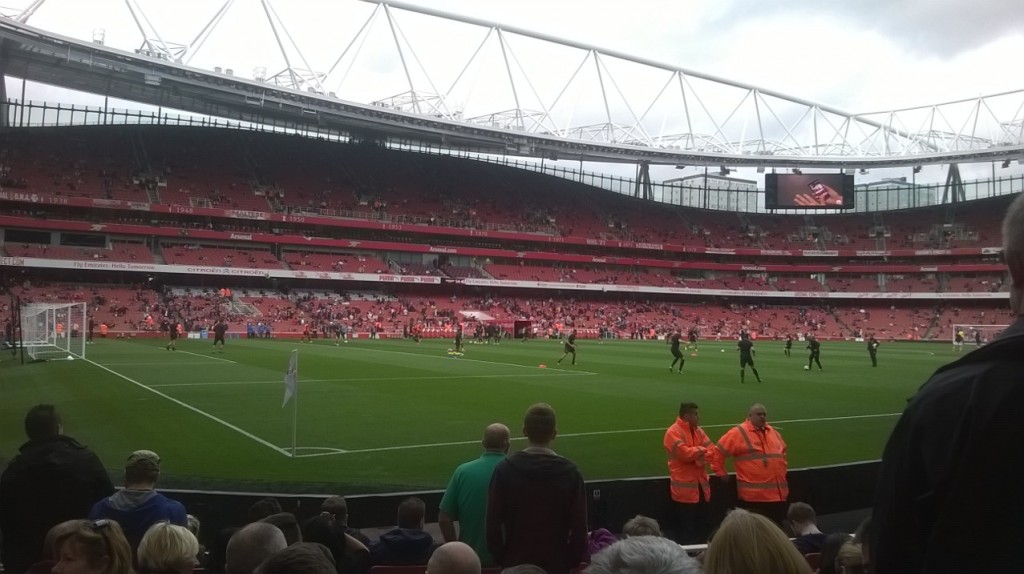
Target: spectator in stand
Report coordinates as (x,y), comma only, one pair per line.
(760,459)
(138,505)
(300,558)
(749,542)
(168,549)
(644,555)
(829,552)
(337,507)
(537,507)
(454,558)
(850,560)
(251,545)
(939,459)
(641,525)
(54,478)
(95,547)
(465,498)
(350,555)
(408,543)
(804,524)
(45,566)
(288,524)
(262,508)
(690,451)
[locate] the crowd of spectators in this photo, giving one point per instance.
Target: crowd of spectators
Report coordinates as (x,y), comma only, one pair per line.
(70,516)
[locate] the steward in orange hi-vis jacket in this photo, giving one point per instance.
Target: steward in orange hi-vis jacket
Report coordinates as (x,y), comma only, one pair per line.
(690,451)
(760,459)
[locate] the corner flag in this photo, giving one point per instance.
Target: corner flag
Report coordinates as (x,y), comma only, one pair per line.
(291,377)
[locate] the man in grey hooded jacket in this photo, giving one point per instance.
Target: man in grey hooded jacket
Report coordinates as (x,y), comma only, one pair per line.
(138,505)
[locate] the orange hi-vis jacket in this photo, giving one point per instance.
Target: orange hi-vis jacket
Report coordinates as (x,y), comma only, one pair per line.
(760,458)
(689,452)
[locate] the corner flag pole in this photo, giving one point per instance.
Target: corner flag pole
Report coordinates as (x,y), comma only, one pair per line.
(295,409)
(291,390)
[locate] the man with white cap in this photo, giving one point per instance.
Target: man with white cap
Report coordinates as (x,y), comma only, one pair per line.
(138,505)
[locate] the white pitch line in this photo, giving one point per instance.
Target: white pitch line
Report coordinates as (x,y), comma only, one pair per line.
(194,409)
(464,359)
(439,377)
(138,364)
(583,434)
(207,357)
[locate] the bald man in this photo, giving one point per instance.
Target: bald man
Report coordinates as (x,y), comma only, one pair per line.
(946,472)
(251,545)
(454,558)
(465,499)
(759,455)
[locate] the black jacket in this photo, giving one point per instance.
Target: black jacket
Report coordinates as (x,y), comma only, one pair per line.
(950,495)
(537,512)
(53,479)
(402,546)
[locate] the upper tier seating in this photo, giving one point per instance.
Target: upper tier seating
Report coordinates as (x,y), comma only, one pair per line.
(195,254)
(126,252)
(202,167)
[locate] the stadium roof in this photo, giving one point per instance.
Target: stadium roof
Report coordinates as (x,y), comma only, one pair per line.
(681,120)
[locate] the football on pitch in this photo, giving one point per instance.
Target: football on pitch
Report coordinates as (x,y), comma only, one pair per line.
(806,368)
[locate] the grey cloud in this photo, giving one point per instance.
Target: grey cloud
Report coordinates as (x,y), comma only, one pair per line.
(941,28)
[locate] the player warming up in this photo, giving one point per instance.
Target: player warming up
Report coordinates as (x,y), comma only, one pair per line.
(172,333)
(746,348)
(458,338)
(873,350)
(219,330)
(815,347)
(677,355)
(789,346)
(570,347)
(692,337)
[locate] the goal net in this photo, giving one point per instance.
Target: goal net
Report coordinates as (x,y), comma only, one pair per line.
(975,334)
(52,331)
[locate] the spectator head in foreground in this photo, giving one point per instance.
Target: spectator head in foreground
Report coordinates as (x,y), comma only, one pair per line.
(829,551)
(643,555)
(1013,252)
(68,526)
(641,525)
(95,547)
(850,560)
(749,542)
(263,508)
(336,506)
(288,524)
(454,558)
(540,425)
(300,558)
(168,549)
(250,546)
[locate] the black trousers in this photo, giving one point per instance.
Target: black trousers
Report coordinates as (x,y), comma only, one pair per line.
(694,521)
(776,511)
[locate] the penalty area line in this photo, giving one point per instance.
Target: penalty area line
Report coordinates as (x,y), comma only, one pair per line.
(364,379)
(198,411)
(586,434)
(421,355)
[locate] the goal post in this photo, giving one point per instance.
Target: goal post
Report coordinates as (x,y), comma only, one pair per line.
(51,331)
(973,333)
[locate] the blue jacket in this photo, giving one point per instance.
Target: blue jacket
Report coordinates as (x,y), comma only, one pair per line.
(137,510)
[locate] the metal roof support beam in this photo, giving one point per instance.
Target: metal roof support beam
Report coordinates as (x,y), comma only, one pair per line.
(953,191)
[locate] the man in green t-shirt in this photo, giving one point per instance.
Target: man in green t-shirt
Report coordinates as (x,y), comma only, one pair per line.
(465,499)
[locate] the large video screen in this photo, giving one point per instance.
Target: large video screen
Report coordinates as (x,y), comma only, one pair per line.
(808,191)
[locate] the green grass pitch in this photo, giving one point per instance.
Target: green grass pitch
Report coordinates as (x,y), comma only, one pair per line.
(392,415)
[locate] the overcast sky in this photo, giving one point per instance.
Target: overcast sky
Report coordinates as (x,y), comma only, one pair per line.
(858,56)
